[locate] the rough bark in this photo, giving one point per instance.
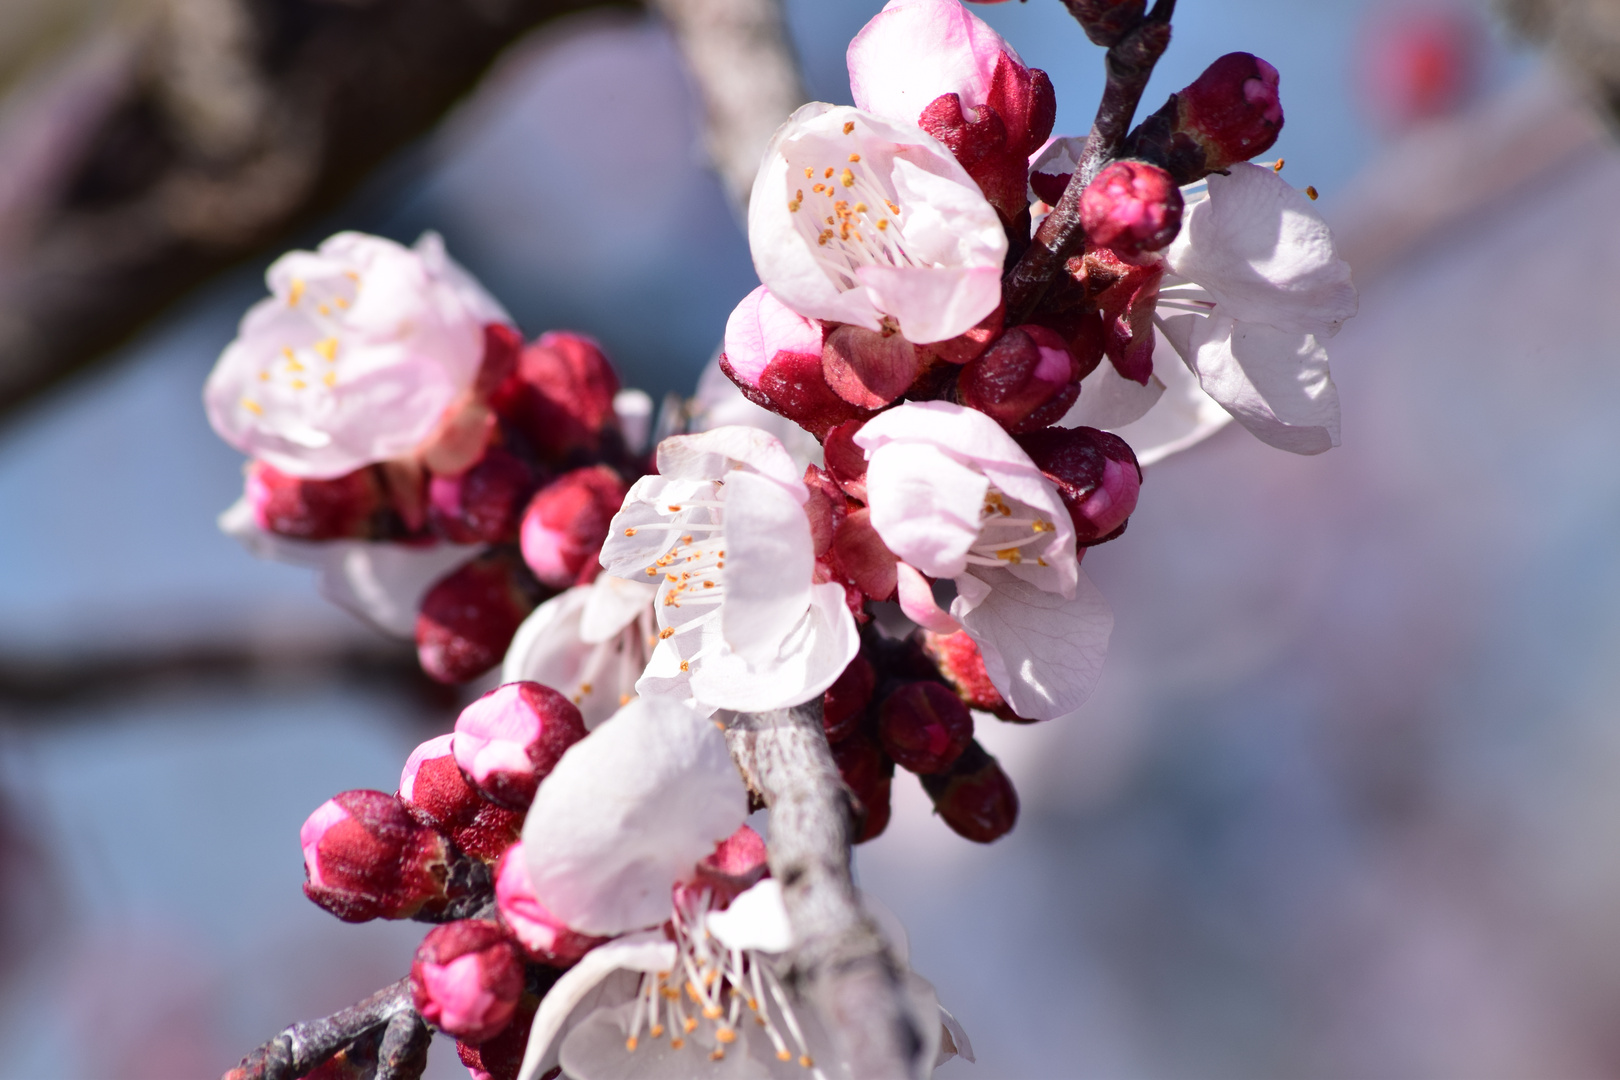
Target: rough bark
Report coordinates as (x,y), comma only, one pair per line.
(305,1045)
(841,960)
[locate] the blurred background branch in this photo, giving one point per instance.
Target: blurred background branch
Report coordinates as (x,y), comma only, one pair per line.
(1583,34)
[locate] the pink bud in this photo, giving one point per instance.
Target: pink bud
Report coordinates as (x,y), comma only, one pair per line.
(343,508)
(561,395)
(1132,207)
(1096,475)
(844,703)
(1026,380)
(507,741)
(1106,22)
(467,978)
(365,858)
(469,616)
(736,865)
(759,328)
(1229,114)
(500,1057)
(958,658)
(566,522)
(436,794)
(1125,294)
(542,935)
(503,345)
(868,772)
(974,796)
(794,385)
(482,504)
(924,726)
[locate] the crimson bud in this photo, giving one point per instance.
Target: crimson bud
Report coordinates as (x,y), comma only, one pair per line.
(338,509)
(566,522)
(1132,207)
(366,858)
(500,1057)
(845,701)
(509,740)
(469,616)
(436,794)
(869,774)
(1229,114)
(543,936)
(483,503)
(561,395)
(1106,22)
(736,864)
(1026,380)
(467,977)
(1096,475)
(924,726)
(974,796)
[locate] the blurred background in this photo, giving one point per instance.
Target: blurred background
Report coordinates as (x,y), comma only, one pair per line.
(1345,804)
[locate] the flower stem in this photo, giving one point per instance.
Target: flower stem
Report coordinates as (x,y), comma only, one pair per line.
(306,1045)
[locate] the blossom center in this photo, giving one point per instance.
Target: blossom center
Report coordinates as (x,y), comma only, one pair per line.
(849,212)
(308,365)
(1006,528)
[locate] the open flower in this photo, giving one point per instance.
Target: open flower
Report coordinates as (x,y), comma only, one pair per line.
(355,357)
(863,220)
(722,529)
(591,643)
(953,496)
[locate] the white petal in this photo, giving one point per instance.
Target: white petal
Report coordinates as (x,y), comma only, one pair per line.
(960,1044)
(714,454)
(913,51)
(770,558)
(1109,401)
(1274,382)
(595,1050)
(1044,653)
(925,505)
(627,812)
(613,605)
(1182,417)
(756,920)
(645,527)
(643,952)
(484,307)
(811,658)
(1264,254)
(381,583)
(554,646)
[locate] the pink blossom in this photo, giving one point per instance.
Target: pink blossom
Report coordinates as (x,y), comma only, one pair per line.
(543,936)
(466,978)
(507,741)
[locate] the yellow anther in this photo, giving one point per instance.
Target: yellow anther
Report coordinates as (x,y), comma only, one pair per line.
(674,509)
(793,206)
(809,172)
(717,1054)
(657,1031)
(676,1043)
(327,347)
(828,174)
(252,406)
(849,127)
(1278,166)
(264,376)
(298,384)
(670,992)
(324,309)
(819,188)
(352,276)
(725,1035)
(846,178)
(294,365)
(1311,193)
(708,584)
(784,1054)
(296,292)
(630,1044)
(652,571)
(330,378)
(689,1023)
(804,1060)
(624,699)
(753,1003)
(854,157)
(631,531)
(1042,526)
(685,666)
(671,577)
(288,353)
(893,209)
(341,302)
(586,688)
(1010,555)
(883,223)
(860,208)
(666,633)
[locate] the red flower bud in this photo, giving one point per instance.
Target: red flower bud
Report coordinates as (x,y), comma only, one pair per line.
(566,522)
(467,978)
(500,1057)
(1096,475)
(1106,22)
(974,796)
(342,508)
(510,739)
(366,858)
(469,616)
(924,727)
(436,794)
(1132,207)
(561,395)
(845,701)
(1025,381)
(482,504)
(794,385)
(1230,113)
(994,144)
(958,658)
(736,865)
(503,345)
(869,774)
(543,936)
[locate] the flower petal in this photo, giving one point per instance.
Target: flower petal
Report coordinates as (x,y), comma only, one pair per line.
(1183,416)
(648,951)
(925,504)
(1264,254)
(627,812)
(913,51)
(916,597)
(1044,653)
(1109,401)
(613,605)
(809,660)
(762,326)
(714,454)
(770,559)
(756,920)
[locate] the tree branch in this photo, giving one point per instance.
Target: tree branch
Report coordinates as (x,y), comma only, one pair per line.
(305,1045)
(1129,65)
(841,958)
(738,54)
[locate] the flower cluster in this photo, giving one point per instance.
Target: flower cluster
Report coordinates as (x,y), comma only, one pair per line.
(442,477)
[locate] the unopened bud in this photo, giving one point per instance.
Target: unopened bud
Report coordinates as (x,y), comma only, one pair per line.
(469,616)
(484,503)
(869,774)
(436,794)
(342,508)
(974,796)
(467,978)
(566,522)
(501,1056)
(510,739)
(845,701)
(561,395)
(924,727)
(1096,475)
(1025,381)
(1132,207)
(1229,114)
(736,865)
(365,858)
(543,936)
(958,658)
(1106,22)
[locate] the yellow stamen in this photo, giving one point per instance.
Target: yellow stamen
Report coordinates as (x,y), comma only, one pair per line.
(1311,193)
(631,531)
(828,174)
(846,178)
(327,347)
(666,633)
(804,1059)
(676,1043)
(298,384)
(296,292)
(630,1044)
(1011,555)
(784,1054)
(725,1035)
(252,406)
(685,666)
(849,127)
(854,157)
(1278,166)
(330,378)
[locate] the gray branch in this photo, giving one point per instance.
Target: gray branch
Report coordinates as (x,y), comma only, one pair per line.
(738,55)
(305,1045)
(841,959)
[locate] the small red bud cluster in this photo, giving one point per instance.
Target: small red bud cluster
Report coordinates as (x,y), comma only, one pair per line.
(909,702)
(532,466)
